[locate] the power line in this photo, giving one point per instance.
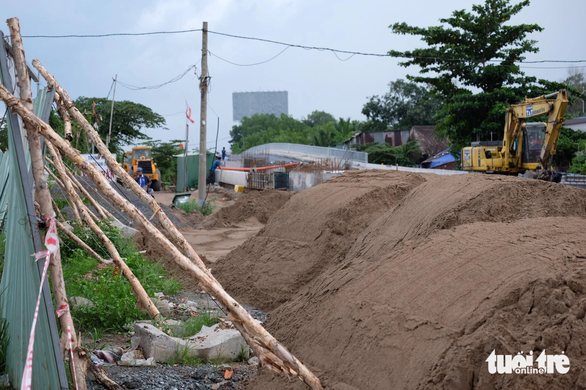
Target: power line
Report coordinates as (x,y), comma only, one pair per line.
(256,63)
(335,51)
(113,34)
(173,80)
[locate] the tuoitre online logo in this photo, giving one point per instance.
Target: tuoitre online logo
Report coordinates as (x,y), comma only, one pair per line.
(524,364)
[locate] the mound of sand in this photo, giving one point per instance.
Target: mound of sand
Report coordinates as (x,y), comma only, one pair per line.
(258,204)
(433,273)
(314,230)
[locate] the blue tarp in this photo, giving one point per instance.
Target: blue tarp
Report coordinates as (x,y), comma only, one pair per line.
(445,159)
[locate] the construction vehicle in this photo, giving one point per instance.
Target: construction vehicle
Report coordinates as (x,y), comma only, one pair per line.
(526,147)
(141,157)
(127,162)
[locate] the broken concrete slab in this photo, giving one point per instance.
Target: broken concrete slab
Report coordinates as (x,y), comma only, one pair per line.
(127,231)
(221,341)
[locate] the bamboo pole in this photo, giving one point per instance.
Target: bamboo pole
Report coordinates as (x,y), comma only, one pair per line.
(139,291)
(43,195)
(273,354)
(79,242)
(71,202)
(111,162)
(105,214)
(57,211)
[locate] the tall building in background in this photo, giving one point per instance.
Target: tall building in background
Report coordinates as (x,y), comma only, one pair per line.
(246,104)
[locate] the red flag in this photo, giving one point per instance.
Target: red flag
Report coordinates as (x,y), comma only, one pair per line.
(188,114)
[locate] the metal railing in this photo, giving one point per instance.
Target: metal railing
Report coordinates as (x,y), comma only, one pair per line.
(299,151)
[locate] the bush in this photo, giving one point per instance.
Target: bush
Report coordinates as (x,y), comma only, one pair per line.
(578,165)
(113,299)
(192,205)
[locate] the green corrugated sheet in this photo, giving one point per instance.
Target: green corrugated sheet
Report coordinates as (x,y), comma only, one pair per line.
(20,284)
(192,169)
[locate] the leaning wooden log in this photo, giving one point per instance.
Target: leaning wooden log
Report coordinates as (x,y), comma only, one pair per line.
(265,345)
(56,208)
(102,378)
(71,202)
(113,165)
(42,193)
(63,228)
(141,295)
(66,120)
(99,208)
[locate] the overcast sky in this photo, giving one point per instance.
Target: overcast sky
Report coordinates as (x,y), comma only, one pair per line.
(315,80)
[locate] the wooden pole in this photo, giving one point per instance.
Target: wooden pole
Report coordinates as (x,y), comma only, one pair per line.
(203,86)
(112,114)
(57,211)
(272,353)
(104,213)
(139,291)
(111,162)
(42,193)
(80,243)
(71,202)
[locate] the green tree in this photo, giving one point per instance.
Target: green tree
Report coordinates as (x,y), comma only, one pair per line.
(404,155)
(318,118)
(576,80)
(407,104)
(128,121)
(472,62)
(3,135)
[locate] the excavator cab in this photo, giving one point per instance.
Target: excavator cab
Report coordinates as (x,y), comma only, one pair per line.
(533,137)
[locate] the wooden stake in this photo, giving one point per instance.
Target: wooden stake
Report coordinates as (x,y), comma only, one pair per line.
(111,162)
(269,350)
(42,193)
(79,242)
(141,295)
(57,211)
(102,378)
(71,202)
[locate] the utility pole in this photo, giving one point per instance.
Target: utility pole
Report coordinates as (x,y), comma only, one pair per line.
(185,152)
(111,113)
(203,86)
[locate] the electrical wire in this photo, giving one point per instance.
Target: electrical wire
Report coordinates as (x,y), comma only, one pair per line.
(256,63)
(358,53)
(173,80)
(113,34)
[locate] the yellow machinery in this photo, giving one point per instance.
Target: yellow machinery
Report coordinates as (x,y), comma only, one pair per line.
(127,161)
(525,146)
(141,157)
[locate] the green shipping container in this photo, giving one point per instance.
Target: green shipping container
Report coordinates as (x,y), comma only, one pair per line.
(192,170)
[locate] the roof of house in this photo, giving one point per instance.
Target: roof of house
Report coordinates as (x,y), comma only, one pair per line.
(429,143)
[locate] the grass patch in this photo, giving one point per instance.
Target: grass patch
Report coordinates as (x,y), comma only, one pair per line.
(192,205)
(181,357)
(194,324)
(114,303)
(61,203)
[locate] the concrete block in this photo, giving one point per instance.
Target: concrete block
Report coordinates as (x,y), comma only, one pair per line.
(127,231)
(219,341)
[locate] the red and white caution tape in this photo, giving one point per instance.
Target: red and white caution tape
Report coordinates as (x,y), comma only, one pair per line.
(52,245)
(64,309)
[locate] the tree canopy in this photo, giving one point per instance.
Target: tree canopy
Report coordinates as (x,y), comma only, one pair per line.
(472,62)
(407,104)
(319,128)
(128,121)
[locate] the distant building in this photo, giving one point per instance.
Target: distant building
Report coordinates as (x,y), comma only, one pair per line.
(576,124)
(428,143)
(246,104)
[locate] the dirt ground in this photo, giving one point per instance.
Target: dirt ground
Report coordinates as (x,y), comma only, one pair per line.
(392,280)
(236,218)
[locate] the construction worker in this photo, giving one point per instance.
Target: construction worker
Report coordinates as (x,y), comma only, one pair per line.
(143,181)
(212,175)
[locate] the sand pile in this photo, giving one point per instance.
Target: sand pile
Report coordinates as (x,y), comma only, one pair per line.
(446,270)
(314,230)
(258,204)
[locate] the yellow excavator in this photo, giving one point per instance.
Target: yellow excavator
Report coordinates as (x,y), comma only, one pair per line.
(525,146)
